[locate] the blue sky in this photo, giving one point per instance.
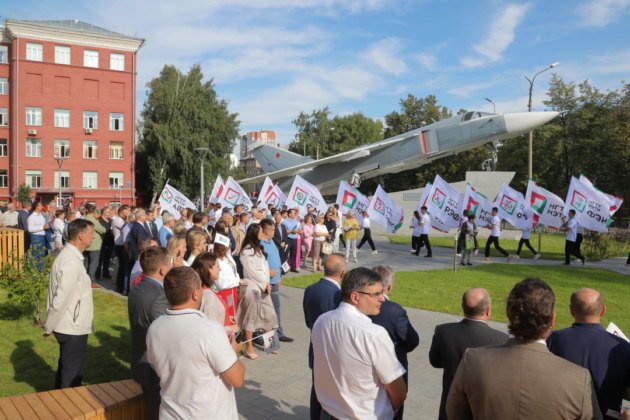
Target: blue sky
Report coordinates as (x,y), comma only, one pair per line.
(271,59)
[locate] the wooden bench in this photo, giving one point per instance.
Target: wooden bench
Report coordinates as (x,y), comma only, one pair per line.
(121,400)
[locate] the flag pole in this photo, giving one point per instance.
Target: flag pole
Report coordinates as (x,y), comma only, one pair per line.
(155,194)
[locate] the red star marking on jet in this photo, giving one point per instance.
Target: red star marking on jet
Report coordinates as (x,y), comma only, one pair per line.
(277,155)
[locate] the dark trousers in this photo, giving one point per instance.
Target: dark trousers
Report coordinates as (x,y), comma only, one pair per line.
(570,248)
(415,243)
(102,270)
(71,358)
(527,244)
(121,254)
(38,250)
(151,392)
(275,299)
(90,261)
(316,407)
(494,240)
(423,240)
(578,241)
(367,237)
(292,253)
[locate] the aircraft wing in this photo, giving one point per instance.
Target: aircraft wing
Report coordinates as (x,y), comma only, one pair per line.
(347,156)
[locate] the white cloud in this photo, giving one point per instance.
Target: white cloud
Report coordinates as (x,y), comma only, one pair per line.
(385,55)
(467,90)
(600,13)
(427,60)
(499,37)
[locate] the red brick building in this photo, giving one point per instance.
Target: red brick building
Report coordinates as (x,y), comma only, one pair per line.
(67,100)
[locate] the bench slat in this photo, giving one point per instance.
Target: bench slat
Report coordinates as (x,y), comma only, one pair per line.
(25,410)
(87,410)
(113,392)
(37,406)
(73,411)
(6,405)
(52,405)
(102,395)
(91,399)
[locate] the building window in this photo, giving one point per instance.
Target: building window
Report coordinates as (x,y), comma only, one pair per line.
(34,179)
(90,150)
(116,122)
(90,58)
(115,180)
(4,54)
(65,179)
(33,116)
(90,180)
(116,150)
(4,178)
(34,52)
(62,118)
(4,117)
(33,148)
(90,119)
(4,86)
(117,62)
(62,148)
(62,54)
(3,148)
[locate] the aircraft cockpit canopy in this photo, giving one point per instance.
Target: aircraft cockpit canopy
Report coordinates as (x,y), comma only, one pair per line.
(473,115)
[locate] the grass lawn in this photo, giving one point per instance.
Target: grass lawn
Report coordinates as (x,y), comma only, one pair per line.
(28,362)
(441,290)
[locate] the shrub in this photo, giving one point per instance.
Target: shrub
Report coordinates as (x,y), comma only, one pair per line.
(601,246)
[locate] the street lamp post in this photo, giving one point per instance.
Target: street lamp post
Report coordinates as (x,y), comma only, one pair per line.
(59,165)
(202,154)
(494,107)
(529,109)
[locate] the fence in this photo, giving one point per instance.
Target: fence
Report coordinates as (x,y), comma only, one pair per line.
(11,246)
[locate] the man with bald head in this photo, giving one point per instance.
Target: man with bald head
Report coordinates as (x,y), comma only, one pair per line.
(450,341)
(587,344)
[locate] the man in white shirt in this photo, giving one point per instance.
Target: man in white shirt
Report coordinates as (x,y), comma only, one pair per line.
(425,229)
(495,233)
(356,372)
(69,310)
(367,233)
(118,224)
(10,217)
(570,243)
(37,228)
(197,363)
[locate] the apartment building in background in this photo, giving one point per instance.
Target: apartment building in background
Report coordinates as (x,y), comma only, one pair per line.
(67,111)
(248,142)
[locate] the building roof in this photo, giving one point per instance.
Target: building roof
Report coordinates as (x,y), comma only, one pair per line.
(75,25)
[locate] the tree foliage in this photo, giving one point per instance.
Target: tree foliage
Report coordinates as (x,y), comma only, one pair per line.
(183,112)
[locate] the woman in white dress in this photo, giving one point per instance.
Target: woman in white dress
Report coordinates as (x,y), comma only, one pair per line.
(59,225)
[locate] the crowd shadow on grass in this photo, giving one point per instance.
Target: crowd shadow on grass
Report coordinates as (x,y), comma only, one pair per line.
(108,359)
(30,367)
(253,404)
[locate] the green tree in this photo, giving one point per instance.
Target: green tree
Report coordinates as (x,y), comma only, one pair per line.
(23,193)
(183,112)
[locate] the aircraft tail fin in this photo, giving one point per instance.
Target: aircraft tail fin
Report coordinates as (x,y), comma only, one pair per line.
(273,158)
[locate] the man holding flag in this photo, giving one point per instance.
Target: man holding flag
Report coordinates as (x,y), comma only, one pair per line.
(495,233)
(570,244)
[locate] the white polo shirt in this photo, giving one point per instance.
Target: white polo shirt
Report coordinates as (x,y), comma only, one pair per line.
(189,353)
(496,226)
(416,228)
(353,358)
(527,233)
(425,224)
(572,226)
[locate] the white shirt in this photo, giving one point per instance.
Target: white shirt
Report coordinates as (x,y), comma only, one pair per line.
(36,222)
(228,276)
(189,353)
(212,217)
(353,358)
(58,227)
(527,233)
(496,226)
(366,223)
(572,226)
(125,232)
(415,226)
(117,227)
(320,228)
(425,224)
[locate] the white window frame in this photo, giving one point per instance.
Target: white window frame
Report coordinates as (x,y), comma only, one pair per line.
(90,180)
(33,148)
(116,150)
(62,118)
(62,54)
(117,62)
(87,153)
(93,115)
(90,58)
(34,52)
(4,54)
(4,86)
(4,117)
(33,116)
(4,148)
(4,178)
(62,148)
(116,180)
(65,179)
(31,176)
(116,121)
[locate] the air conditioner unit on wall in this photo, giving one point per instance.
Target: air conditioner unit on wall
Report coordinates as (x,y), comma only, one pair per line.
(88,131)
(32,132)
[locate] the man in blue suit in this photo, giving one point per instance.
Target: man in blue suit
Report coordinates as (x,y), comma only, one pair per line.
(587,344)
(393,318)
(320,298)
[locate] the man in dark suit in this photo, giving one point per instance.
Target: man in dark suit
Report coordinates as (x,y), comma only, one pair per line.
(151,216)
(522,378)
(146,303)
(138,231)
(280,236)
(393,318)
(451,340)
(587,344)
(320,298)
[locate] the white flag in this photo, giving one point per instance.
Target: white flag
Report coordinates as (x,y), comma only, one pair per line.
(233,195)
(424,197)
(349,198)
(592,208)
(547,206)
(514,209)
(217,190)
(173,201)
(444,205)
(271,194)
(615,330)
(271,341)
(266,188)
(478,204)
(615,202)
(384,211)
(304,195)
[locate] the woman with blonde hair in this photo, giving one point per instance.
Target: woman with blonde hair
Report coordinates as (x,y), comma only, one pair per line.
(320,235)
(176,248)
(197,243)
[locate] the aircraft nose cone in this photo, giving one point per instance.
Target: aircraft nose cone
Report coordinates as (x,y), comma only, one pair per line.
(523,122)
